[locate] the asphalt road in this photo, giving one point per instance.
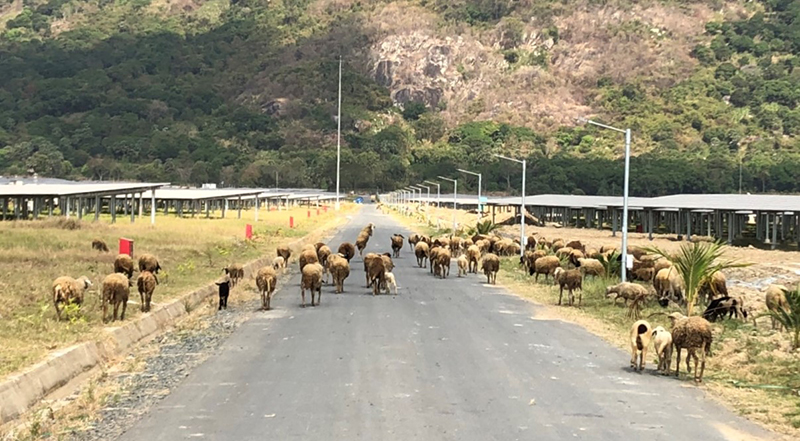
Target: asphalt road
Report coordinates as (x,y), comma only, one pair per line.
(447,359)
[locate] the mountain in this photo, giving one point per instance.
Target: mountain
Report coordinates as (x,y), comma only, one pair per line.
(193,91)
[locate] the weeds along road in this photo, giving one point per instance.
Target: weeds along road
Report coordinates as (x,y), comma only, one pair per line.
(447,359)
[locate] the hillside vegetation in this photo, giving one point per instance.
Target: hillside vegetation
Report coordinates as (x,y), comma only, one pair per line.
(192,91)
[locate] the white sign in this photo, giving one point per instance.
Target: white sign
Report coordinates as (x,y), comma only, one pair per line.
(629,261)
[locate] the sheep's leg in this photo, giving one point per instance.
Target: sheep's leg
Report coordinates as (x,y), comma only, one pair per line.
(58,311)
(141,300)
(124,307)
(643,359)
(678,361)
(116,310)
(633,356)
(302,297)
(560,294)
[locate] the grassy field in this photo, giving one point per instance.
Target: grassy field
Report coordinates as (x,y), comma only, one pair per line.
(192,253)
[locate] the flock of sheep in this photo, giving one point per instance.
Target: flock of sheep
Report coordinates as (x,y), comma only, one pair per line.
(116,286)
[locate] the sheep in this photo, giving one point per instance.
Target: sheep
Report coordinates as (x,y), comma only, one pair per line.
(433,253)
(776,301)
(311,280)
(368,229)
(387,261)
(307,257)
(99,245)
(473,255)
(367,260)
(285,252)
(713,287)
(124,264)
(376,271)
(626,290)
(643,274)
(491,265)
(544,265)
(530,243)
(323,254)
(413,240)
(463,265)
(456,245)
(149,262)
(575,255)
(391,283)
(669,286)
(339,269)
(318,246)
(478,237)
(557,244)
(570,279)
(483,246)
(662,343)
(361,243)
(146,283)
(116,290)
(592,253)
(576,245)
(589,267)
(641,334)
(692,333)
(637,252)
(347,250)
(661,264)
(502,246)
(67,290)
(563,252)
(733,306)
(266,279)
(278,263)
(235,272)
(443,263)
(421,251)
(224,292)
(397,244)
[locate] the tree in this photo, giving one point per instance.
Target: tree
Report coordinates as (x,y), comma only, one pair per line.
(412,110)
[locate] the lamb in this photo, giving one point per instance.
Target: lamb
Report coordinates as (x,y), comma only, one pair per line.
(376,273)
(266,279)
(443,263)
(285,252)
(235,272)
(361,242)
(67,290)
(473,255)
(626,290)
(669,286)
(641,333)
(149,262)
(311,280)
(733,306)
(116,290)
(491,265)
(99,245)
(397,244)
(224,292)
(544,265)
(662,343)
(339,269)
(713,287)
(307,257)
(124,264)
(463,265)
(570,279)
(776,301)
(692,333)
(391,283)
(589,267)
(347,250)
(278,263)
(421,251)
(146,283)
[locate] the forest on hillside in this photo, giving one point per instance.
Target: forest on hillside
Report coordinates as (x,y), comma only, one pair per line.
(134,90)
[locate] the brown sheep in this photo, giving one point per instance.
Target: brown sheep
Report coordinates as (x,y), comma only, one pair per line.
(323,253)
(397,244)
(628,291)
(776,301)
(361,243)
(311,280)
(306,257)
(576,245)
(278,263)
(433,252)
(99,245)
(662,343)
(421,251)
(285,252)
(375,273)
(347,250)
(713,287)
(456,245)
(530,243)
(491,265)
(67,290)
(146,283)
(235,272)
(557,245)
(266,279)
(443,263)
(661,264)
(692,333)
(589,267)
(483,246)
(368,229)
(669,286)
(463,265)
(643,274)
(570,279)
(116,290)
(563,252)
(473,255)
(545,265)
(367,260)
(641,333)
(339,269)
(149,262)
(413,240)
(124,264)
(387,262)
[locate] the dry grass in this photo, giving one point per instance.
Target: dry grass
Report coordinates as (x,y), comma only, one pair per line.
(192,252)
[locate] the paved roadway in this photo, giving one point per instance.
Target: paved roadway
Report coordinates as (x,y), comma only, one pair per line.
(447,359)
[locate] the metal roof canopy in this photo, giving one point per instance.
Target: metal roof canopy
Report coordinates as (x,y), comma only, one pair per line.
(63,190)
(199,194)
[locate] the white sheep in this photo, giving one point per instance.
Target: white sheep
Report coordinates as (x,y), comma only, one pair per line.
(662,343)
(391,283)
(463,265)
(640,340)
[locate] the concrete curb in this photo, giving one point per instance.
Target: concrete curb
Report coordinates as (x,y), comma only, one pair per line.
(21,391)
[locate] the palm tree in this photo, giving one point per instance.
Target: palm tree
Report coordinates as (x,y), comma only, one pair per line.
(696,263)
(790,317)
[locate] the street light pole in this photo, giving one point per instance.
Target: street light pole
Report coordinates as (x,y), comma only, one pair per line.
(522,203)
(339,135)
(627,133)
(480,178)
(455,198)
(427,202)
(438,192)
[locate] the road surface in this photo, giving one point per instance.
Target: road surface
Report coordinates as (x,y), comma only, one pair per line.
(447,359)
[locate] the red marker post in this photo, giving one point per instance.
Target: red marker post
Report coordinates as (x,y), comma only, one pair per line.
(248,231)
(309,213)
(291,221)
